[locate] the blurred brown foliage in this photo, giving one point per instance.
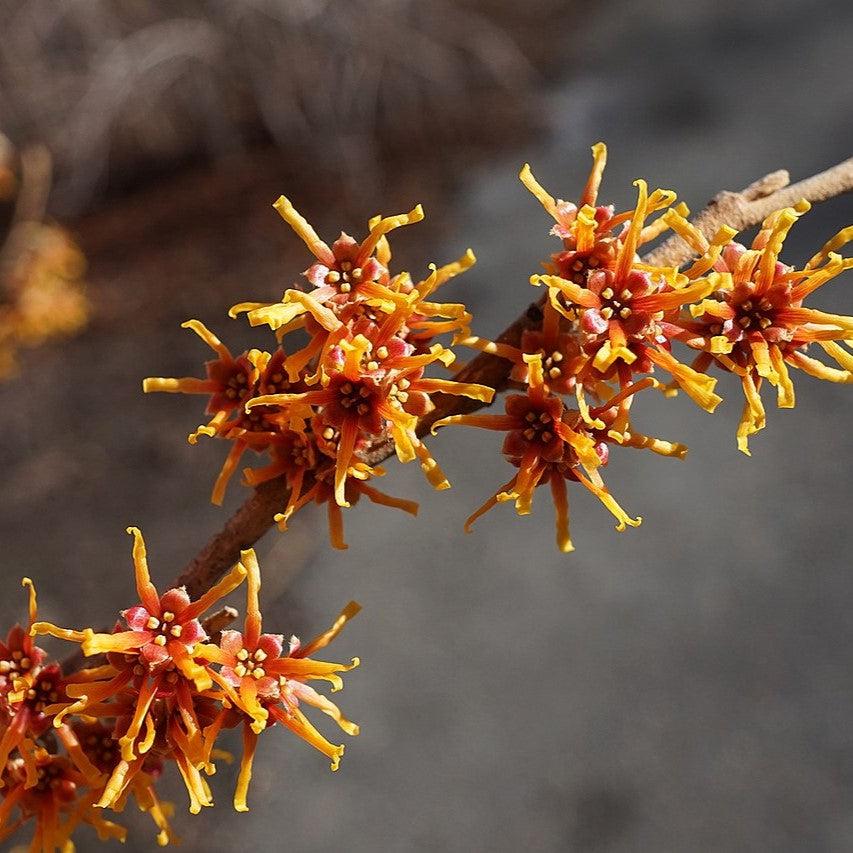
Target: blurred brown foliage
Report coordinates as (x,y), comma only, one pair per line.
(121,89)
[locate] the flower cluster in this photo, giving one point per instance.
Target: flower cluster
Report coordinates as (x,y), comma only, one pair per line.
(754,323)
(368,336)
(42,294)
(162,695)
(610,319)
(47,773)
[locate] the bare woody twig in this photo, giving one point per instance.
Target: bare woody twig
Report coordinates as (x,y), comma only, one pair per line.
(737,209)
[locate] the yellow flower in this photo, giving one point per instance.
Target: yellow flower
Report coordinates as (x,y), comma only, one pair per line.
(754,323)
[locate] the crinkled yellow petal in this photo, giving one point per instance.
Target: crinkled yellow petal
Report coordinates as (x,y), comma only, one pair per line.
(444,273)
(698,386)
(656,445)
(599,161)
(753,417)
(818,369)
(608,355)
(761,356)
(303,230)
(603,495)
(572,292)
(250,744)
(630,242)
(561,512)
(844,236)
(323,640)
(186,385)
(784,386)
(585,227)
(435,476)
(841,355)
(384,226)
(541,194)
(209,338)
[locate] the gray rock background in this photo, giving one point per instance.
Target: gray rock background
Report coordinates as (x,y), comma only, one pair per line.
(687,685)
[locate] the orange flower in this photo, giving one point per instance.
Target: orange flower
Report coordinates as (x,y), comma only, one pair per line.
(345,272)
(621,310)
(370,394)
(306,459)
(551,444)
(588,229)
(100,746)
(358,382)
(154,658)
(56,793)
(27,687)
(270,684)
(230,382)
(754,323)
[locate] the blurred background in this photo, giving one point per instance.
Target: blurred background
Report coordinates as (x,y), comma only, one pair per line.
(687,685)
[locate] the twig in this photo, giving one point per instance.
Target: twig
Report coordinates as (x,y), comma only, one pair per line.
(751,206)
(241,531)
(739,210)
(217,622)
